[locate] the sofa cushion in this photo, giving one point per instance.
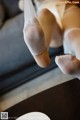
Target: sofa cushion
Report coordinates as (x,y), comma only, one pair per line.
(13,50)
(2,14)
(11,7)
(17,65)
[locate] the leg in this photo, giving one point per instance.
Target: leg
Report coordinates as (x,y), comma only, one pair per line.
(41,30)
(68,63)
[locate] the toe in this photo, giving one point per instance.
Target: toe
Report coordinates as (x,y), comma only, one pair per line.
(35,40)
(68,64)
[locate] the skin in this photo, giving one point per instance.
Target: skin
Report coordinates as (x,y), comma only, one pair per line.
(71,64)
(45,23)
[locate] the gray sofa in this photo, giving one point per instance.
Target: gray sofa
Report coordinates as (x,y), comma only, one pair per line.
(17,65)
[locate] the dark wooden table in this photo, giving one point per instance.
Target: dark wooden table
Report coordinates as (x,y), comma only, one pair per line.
(61,102)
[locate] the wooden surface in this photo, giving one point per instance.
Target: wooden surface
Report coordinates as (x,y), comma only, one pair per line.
(61,102)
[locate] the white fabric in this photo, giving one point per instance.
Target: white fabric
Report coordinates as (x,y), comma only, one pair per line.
(35,41)
(37,46)
(29,11)
(67,47)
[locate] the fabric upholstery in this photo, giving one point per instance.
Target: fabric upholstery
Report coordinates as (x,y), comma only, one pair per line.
(17,65)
